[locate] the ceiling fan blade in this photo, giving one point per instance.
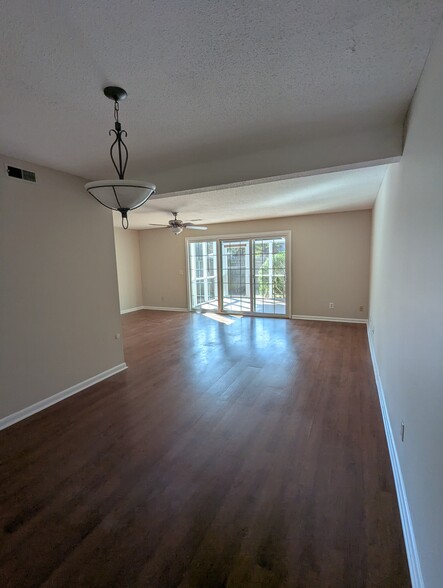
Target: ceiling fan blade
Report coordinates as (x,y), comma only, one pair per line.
(195,227)
(194,220)
(164,226)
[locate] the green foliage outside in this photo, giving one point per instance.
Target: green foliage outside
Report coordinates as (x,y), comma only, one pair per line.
(277,287)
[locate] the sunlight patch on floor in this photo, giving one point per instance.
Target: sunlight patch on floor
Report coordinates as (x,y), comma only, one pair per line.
(227,320)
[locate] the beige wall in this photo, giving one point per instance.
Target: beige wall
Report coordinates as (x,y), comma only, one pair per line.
(330,262)
(406,310)
(58,296)
(127,251)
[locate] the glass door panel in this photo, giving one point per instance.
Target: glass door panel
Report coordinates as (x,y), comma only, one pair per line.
(236,276)
(203,275)
(269,263)
(246,276)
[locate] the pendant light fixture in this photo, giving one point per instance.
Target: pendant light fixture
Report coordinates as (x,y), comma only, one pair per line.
(122,195)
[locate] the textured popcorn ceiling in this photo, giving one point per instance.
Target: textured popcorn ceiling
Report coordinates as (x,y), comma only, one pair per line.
(206,79)
(329,192)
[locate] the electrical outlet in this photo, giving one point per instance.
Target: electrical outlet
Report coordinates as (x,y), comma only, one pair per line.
(331,305)
(402,432)
(361,308)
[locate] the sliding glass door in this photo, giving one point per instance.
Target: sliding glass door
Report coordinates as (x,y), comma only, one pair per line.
(236,276)
(202,264)
(246,275)
(270,275)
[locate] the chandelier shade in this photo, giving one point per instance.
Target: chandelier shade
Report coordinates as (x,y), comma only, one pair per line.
(121,195)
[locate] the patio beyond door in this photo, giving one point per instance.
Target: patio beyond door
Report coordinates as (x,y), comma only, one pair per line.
(245,276)
(236,276)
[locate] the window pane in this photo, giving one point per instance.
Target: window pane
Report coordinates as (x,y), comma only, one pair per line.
(203,274)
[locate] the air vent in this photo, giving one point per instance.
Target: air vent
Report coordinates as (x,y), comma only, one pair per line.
(20,174)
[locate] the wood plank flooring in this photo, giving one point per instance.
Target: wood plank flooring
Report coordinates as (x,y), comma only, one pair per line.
(249,454)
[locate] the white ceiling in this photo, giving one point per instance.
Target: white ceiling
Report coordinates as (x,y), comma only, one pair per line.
(205,79)
(330,192)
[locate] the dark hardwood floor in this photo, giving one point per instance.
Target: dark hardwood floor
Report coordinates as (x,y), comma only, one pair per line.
(227,455)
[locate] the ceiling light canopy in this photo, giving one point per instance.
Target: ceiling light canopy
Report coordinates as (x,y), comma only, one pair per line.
(122,195)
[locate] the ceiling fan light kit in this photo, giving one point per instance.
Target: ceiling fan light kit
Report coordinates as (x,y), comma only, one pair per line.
(176,225)
(121,195)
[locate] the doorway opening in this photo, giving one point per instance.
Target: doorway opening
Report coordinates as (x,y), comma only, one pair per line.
(247,275)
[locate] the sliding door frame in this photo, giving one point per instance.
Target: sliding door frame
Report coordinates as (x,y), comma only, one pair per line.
(219,238)
(220,250)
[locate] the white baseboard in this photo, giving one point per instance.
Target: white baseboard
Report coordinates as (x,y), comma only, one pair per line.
(333,319)
(45,403)
(405,515)
(132,309)
(168,308)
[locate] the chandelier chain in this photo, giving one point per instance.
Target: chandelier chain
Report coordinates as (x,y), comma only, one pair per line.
(119,159)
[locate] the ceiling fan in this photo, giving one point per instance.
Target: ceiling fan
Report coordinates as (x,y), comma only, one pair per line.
(176,225)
